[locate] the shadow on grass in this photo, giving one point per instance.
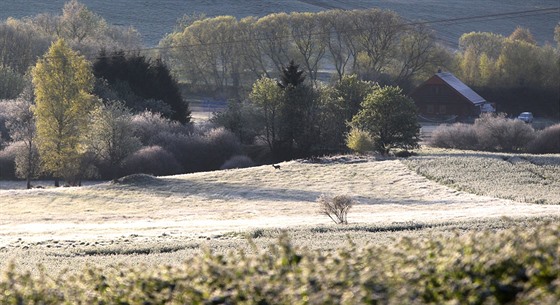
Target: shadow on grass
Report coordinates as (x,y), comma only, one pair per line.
(218,190)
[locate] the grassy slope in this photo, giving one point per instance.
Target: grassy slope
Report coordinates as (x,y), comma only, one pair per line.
(170,218)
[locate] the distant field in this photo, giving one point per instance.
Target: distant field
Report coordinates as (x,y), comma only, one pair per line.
(156,18)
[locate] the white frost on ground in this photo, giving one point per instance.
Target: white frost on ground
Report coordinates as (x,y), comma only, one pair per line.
(242,200)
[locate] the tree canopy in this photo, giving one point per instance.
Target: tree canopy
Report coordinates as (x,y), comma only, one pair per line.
(141,84)
(63,84)
(391,119)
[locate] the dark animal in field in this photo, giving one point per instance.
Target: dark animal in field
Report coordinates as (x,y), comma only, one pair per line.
(276,166)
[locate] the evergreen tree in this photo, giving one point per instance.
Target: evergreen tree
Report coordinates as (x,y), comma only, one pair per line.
(142,84)
(296,113)
(291,76)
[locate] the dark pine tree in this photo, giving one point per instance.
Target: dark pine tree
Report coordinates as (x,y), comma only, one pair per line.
(291,75)
(166,88)
(296,130)
(135,79)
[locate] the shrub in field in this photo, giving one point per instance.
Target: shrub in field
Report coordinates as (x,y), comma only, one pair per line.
(336,207)
(147,125)
(391,119)
(546,141)
(177,144)
(238,161)
(8,161)
(489,133)
(460,136)
(153,160)
(512,266)
(220,145)
(359,141)
(498,133)
(6,109)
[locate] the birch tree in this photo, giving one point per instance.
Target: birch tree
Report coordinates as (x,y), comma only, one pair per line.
(63,83)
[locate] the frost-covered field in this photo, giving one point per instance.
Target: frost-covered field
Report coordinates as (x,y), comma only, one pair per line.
(523,178)
(153,220)
(153,19)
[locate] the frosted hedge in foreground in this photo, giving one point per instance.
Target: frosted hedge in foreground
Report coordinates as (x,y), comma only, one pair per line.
(519,265)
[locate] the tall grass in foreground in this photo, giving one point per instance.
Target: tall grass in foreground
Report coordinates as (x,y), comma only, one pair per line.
(515,265)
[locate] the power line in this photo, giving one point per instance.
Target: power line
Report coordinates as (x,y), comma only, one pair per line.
(496,16)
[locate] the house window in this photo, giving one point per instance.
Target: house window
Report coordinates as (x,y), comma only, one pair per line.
(430,109)
(436,90)
(442,109)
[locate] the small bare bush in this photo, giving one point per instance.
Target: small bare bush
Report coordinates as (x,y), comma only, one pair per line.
(8,161)
(546,142)
(336,207)
(147,125)
(220,145)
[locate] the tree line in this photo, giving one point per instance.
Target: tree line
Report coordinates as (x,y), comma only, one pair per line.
(66,128)
(296,120)
(513,72)
(224,53)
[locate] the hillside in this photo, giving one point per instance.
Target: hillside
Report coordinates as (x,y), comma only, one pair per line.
(154,19)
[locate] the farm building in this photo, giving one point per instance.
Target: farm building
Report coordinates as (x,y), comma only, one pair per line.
(444,95)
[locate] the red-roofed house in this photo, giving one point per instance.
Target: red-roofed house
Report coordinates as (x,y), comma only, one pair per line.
(445,95)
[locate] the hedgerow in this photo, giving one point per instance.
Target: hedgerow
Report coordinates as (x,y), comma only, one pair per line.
(546,142)
(488,133)
(516,265)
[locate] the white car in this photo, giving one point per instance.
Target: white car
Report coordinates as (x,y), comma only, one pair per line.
(526,117)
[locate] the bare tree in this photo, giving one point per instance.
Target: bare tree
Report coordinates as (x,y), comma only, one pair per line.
(21,124)
(252,53)
(21,44)
(336,207)
(377,37)
(307,37)
(340,43)
(417,50)
(111,135)
(273,32)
